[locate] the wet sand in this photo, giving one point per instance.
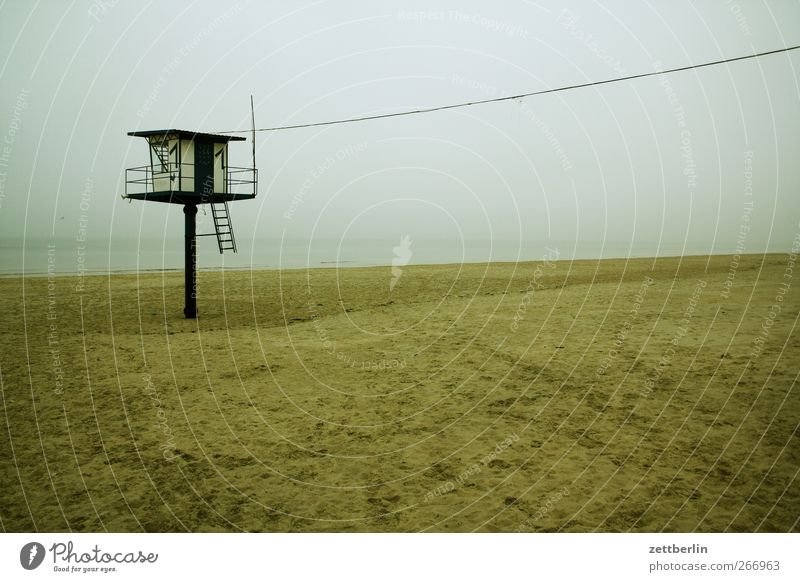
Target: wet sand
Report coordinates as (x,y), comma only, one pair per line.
(644,395)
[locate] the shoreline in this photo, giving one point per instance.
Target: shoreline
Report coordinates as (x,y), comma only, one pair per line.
(350,266)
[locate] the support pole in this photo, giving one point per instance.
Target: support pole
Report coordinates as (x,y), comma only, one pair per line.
(190,264)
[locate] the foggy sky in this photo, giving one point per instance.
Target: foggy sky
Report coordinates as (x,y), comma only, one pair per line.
(685,159)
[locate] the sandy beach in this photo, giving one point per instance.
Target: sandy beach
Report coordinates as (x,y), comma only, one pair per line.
(576,396)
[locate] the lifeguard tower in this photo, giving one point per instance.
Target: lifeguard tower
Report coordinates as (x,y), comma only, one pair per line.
(191,168)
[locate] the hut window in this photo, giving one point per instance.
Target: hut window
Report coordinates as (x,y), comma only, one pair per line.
(160,150)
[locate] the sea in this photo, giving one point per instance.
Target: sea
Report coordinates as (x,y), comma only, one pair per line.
(42,255)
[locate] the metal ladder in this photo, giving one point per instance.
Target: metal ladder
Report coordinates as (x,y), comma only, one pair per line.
(223,227)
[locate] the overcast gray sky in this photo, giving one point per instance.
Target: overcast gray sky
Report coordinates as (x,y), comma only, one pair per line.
(653,160)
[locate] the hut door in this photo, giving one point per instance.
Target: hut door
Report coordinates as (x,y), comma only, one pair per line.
(204,168)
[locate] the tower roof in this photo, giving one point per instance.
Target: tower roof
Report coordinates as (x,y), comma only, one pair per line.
(185,134)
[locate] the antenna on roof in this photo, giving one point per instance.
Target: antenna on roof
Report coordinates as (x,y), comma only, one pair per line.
(253,125)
